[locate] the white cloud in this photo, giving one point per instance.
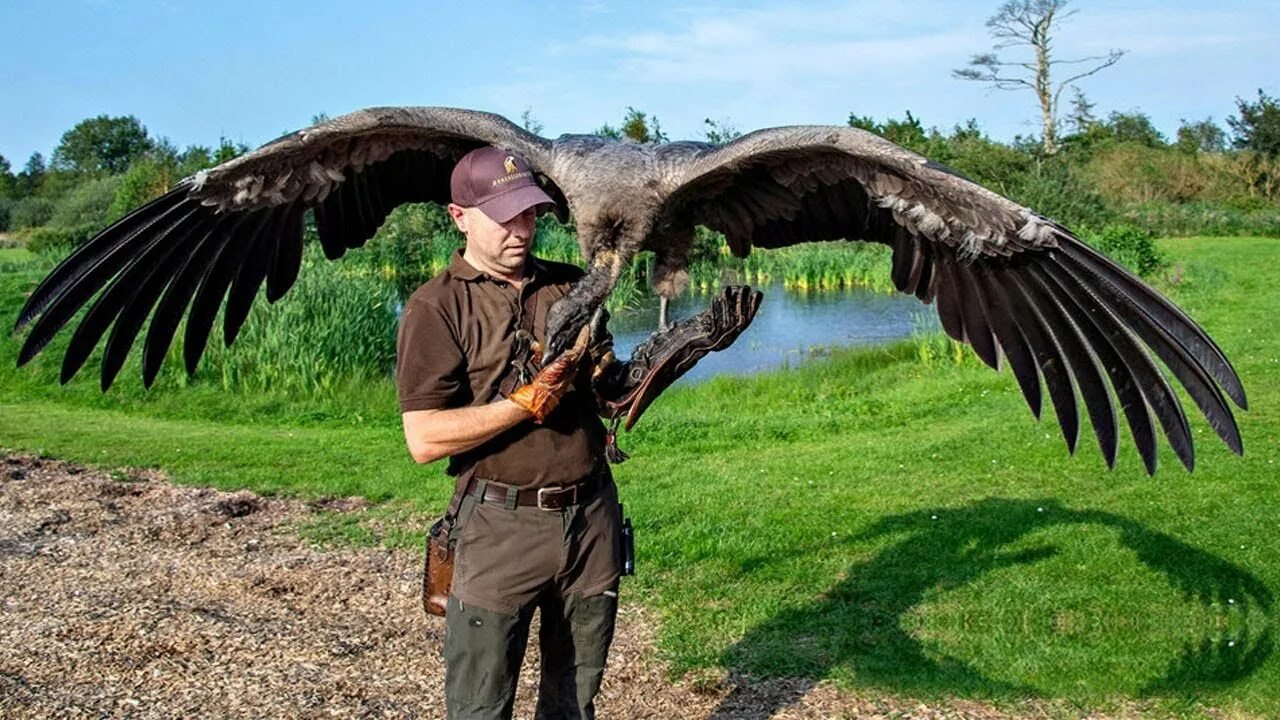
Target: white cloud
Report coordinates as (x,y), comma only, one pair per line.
(765,47)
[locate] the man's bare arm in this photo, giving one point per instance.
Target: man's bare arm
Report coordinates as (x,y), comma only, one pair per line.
(434,434)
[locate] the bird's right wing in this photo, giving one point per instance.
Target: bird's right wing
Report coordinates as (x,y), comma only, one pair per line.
(226,231)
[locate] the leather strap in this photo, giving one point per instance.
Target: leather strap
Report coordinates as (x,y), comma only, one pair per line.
(547,498)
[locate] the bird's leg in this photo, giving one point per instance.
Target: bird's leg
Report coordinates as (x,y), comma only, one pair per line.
(570,313)
(671,274)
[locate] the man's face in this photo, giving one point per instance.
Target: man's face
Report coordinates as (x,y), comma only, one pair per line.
(501,247)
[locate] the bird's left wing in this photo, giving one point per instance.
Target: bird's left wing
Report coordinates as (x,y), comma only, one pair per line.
(226,231)
(1006,280)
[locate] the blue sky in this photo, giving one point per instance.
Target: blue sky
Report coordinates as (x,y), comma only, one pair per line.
(194,72)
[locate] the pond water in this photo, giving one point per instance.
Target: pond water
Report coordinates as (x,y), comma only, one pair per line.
(789,329)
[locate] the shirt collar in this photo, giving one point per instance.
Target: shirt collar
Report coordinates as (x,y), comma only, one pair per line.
(465,271)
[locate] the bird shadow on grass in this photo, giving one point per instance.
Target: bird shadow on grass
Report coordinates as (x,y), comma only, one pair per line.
(858,623)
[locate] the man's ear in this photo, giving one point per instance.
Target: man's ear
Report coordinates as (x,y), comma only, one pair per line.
(459,215)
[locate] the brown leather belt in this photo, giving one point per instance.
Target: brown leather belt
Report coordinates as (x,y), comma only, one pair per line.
(547,498)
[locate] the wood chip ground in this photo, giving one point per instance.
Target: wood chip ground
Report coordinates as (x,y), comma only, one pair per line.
(126,596)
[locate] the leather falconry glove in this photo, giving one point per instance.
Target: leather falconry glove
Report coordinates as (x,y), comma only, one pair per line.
(541,395)
(628,388)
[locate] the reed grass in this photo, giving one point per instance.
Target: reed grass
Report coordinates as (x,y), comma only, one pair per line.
(811,267)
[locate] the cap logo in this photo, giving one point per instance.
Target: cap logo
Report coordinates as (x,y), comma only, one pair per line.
(509,164)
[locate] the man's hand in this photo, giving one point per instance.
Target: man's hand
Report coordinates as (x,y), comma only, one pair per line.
(542,395)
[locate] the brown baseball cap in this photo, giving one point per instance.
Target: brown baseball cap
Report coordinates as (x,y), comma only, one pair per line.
(499,182)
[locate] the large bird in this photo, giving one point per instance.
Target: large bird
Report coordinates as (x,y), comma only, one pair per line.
(1004,279)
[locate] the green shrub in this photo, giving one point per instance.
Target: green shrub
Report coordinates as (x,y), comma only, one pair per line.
(1131,246)
(1053,189)
(6,211)
(58,242)
(1182,220)
(89,203)
(991,164)
(30,212)
(145,180)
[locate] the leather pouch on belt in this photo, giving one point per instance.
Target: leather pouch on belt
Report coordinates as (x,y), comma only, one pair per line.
(437,570)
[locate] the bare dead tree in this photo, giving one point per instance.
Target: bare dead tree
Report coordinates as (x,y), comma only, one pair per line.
(1030,23)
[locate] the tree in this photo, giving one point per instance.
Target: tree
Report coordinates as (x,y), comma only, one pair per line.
(1081,118)
(719,132)
(1030,23)
(636,127)
(529,122)
(1258,127)
(1201,136)
(101,145)
(32,175)
(1134,127)
(909,133)
(641,128)
(155,172)
(8,183)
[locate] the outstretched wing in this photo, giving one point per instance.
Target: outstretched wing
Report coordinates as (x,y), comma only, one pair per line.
(226,231)
(1006,280)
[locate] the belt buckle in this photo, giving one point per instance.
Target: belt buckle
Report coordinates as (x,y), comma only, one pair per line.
(556,489)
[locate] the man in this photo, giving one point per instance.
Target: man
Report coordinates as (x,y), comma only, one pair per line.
(537,522)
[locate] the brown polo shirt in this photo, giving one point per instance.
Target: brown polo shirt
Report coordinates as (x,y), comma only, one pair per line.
(454,349)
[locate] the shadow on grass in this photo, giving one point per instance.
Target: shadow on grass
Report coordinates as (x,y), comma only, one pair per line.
(858,622)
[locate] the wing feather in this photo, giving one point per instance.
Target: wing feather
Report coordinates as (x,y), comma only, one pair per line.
(168,314)
(288,258)
(251,274)
(1126,387)
(1000,317)
(1045,349)
(1084,363)
(125,289)
(214,284)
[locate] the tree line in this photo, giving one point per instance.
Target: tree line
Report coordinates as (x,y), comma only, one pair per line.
(1105,169)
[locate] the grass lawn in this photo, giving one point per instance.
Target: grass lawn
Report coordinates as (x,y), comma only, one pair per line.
(894,526)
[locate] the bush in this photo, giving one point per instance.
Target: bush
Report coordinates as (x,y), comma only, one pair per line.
(1131,246)
(89,203)
(146,180)
(58,242)
(1168,219)
(6,211)
(1131,173)
(30,212)
(1053,189)
(988,163)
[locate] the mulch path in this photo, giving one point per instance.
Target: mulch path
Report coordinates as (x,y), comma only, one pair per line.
(122,595)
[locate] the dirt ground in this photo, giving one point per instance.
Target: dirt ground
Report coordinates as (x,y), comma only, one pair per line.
(126,596)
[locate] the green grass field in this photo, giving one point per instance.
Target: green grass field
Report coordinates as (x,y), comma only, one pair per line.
(898,526)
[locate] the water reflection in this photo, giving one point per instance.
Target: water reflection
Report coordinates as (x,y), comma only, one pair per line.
(788,328)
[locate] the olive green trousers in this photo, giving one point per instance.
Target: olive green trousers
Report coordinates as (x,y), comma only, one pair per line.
(483,651)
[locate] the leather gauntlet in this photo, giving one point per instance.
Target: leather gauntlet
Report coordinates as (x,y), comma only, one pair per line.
(541,395)
(629,388)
